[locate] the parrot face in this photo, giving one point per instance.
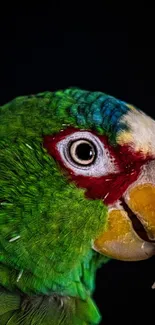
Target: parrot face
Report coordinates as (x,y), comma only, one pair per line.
(121,175)
(77,187)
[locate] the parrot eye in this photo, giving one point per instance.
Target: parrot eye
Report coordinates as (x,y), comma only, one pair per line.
(82,152)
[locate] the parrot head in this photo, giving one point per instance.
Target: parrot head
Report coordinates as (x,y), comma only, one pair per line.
(110,152)
(77,182)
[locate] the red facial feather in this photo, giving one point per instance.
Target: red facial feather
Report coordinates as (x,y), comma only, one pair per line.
(110,187)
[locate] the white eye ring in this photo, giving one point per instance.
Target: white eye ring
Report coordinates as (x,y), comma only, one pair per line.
(102,164)
(82,152)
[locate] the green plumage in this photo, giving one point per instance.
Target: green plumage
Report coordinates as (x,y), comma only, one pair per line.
(47,266)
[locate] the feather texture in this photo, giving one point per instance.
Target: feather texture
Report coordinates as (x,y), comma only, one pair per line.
(47,224)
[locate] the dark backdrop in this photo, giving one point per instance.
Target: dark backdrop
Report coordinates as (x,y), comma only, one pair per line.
(40,51)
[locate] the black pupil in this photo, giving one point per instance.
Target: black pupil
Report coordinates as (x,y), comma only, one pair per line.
(84,151)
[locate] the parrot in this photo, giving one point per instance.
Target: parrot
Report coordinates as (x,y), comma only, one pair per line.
(77,190)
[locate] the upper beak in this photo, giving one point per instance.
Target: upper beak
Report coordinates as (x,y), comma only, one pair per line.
(120,240)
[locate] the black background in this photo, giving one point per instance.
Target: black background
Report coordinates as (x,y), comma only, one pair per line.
(51,48)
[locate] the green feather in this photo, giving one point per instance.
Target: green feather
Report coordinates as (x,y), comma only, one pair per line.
(8,302)
(47,310)
(46,223)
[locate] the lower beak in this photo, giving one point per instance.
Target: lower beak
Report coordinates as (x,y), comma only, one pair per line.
(120,240)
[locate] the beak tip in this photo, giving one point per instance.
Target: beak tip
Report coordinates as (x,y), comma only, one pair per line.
(149,249)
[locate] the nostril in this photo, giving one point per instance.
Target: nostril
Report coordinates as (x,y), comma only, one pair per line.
(130,168)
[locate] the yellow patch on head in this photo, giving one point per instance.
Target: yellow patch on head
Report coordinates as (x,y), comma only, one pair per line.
(131,107)
(140,135)
(125,137)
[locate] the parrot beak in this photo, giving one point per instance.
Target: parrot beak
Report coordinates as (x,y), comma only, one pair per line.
(121,239)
